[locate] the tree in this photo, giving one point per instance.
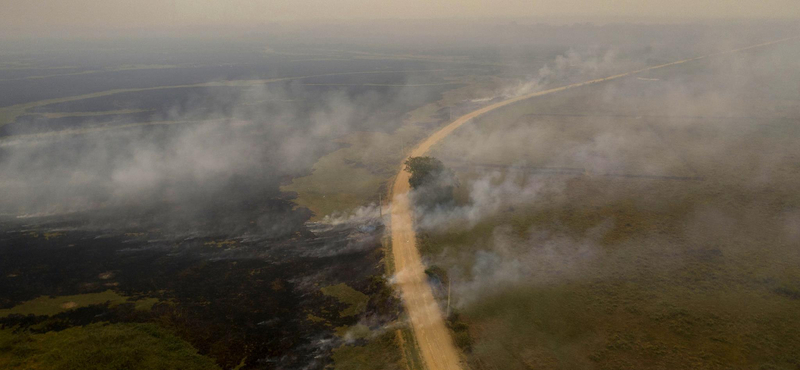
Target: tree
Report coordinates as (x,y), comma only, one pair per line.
(424,170)
(431,182)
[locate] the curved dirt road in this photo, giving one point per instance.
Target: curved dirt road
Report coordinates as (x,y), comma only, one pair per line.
(435,344)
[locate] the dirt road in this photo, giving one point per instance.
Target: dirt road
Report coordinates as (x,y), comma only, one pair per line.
(436,346)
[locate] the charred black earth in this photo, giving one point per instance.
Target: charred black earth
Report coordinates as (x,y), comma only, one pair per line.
(239,297)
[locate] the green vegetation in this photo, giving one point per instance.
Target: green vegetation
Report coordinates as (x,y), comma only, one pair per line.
(658,251)
(618,326)
(356,300)
(434,184)
(144,304)
(47,306)
(407,344)
(423,170)
(373,349)
(99,346)
(641,302)
(358,331)
(336,184)
(365,357)
(316,319)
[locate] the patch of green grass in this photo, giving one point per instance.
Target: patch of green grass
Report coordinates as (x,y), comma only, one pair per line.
(100,346)
(144,304)
(407,342)
(47,306)
(381,353)
(356,300)
(358,331)
(342,180)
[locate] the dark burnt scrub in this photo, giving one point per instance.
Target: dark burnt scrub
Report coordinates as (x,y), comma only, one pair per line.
(172,195)
(238,295)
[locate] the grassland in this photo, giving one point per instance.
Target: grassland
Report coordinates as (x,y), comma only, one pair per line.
(99,346)
(656,237)
(643,301)
(355,300)
(337,182)
(47,306)
(392,348)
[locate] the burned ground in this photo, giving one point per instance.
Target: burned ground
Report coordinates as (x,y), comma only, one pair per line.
(240,299)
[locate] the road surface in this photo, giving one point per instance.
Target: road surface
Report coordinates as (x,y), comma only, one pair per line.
(435,344)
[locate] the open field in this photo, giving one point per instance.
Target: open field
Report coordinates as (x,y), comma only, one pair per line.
(641,223)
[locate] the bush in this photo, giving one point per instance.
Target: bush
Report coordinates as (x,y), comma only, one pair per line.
(432,183)
(460,331)
(424,170)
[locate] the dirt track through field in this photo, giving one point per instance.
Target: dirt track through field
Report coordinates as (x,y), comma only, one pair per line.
(435,344)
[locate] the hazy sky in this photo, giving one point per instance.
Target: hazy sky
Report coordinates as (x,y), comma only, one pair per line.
(53,15)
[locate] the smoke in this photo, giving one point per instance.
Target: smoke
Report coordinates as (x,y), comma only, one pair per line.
(508,260)
(572,66)
(348,232)
(686,163)
(363,215)
(487,195)
(219,158)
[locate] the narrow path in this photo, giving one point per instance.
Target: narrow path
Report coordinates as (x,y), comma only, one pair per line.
(436,346)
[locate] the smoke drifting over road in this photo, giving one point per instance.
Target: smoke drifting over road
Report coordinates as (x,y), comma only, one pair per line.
(574,66)
(695,147)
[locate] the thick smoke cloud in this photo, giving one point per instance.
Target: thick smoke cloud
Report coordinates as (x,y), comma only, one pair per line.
(706,129)
(487,195)
(218,159)
(573,66)
(538,258)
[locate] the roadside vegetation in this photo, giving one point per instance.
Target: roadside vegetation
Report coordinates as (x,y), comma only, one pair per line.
(432,184)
